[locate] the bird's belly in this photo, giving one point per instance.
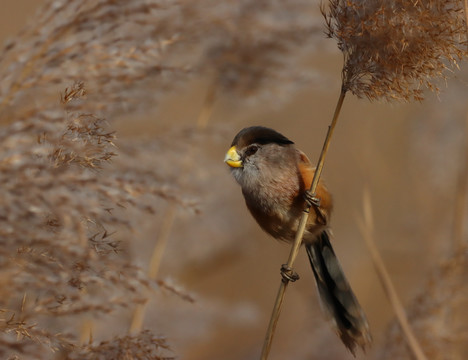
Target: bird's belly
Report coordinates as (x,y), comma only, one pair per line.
(283,225)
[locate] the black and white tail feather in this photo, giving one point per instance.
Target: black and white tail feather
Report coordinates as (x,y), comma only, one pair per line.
(336,296)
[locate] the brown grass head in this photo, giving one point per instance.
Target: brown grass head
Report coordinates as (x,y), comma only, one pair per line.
(143,346)
(62,226)
(393,50)
(253,48)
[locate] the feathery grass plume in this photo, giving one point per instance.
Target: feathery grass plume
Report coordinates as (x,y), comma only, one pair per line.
(393,50)
(254,50)
(118,48)
(152,45)
(438,315)
(144,346)
(60,257)
(255,46)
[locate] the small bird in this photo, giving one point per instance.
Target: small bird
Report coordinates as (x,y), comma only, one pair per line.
(275,177)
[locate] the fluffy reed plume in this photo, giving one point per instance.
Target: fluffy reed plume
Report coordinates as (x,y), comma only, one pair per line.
(393,50)
(131,53)
(59,256)
(438,315)
(145,346)
(118,48)
(256,46)
(255,49)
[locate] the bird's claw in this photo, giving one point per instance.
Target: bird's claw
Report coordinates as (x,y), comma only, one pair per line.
(288,274)
(314,202)
(311,199)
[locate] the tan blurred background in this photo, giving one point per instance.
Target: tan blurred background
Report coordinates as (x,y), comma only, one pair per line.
(407,155)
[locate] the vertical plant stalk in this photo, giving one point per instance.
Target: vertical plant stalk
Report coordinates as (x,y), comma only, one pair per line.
(86,331)
(155,262)
(208,105)
(300,232)
(367,230)
(466,16)
(461,198)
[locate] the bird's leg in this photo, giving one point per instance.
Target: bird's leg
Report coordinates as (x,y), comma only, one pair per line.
(314,202)
(288,274)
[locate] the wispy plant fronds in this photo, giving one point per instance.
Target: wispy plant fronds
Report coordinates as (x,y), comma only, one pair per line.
(254,46)
(438,315)
(107,44)
(144,346)
(130,53)
(393,50)
(59,254)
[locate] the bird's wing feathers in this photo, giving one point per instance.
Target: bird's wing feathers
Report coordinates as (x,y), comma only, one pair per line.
(307,172)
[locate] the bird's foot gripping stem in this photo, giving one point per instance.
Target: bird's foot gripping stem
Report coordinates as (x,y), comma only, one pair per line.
(311,199)
(314,202)
(288,274)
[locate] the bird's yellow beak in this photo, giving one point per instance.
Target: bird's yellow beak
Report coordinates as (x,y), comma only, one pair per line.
(232,158)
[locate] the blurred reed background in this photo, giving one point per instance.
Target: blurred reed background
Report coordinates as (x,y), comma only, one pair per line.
(115,117)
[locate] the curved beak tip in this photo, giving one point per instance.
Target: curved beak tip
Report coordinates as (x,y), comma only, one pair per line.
(232,158)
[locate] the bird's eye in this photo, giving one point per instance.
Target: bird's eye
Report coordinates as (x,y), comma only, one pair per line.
(252,149)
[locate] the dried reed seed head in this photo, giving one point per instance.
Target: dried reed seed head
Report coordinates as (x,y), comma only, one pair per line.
(253,47)
(393,50)
(108,44)
(143,346)
(60,207)
(130,53)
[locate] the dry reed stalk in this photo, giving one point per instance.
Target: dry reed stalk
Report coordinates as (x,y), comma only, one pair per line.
(86,332)
(466,15)
(461,198)
(438,314)
(366,226)
(207,108)
(299,234)
(154,264)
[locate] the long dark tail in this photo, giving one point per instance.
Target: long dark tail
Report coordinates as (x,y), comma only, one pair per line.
(337,298)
